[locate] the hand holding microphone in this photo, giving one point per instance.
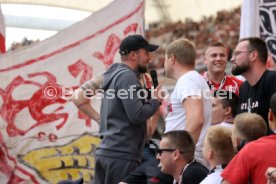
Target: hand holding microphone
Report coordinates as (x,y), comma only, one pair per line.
(154,78)
(157,89)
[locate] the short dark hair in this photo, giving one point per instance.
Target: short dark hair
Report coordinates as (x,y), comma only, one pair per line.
(259,45)
(272,103)
(183,141)
(228,99)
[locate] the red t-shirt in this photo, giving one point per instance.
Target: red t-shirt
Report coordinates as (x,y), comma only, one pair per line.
(229,83)
(251,162)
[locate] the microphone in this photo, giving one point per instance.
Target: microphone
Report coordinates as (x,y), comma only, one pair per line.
(153,75)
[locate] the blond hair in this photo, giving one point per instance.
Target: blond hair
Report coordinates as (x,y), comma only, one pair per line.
(219,139)
(250,126)
(183,50)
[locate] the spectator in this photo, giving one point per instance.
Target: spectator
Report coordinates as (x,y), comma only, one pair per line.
(216,59)
(190,102)
(251,163)
(218,151)
(224,108)
(91,87)
(123,118)
(176,156)
(271,171)
(247,127)
(249,60)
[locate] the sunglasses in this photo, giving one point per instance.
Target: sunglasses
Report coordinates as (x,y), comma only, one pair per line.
(160,151)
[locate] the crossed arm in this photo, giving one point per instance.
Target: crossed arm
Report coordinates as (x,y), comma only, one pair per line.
(82,100)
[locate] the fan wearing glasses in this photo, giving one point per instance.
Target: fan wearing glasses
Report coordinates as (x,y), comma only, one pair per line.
(249,60)
(176,156)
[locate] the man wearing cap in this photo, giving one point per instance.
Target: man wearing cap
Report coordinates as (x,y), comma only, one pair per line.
(123,112)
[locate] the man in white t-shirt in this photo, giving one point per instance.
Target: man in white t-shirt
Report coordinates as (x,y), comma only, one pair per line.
(190,104)
(218,150)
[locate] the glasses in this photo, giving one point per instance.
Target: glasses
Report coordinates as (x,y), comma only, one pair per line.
(160,151)
(238,52)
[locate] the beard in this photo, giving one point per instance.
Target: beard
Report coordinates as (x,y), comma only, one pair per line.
(142,69)
(238,70)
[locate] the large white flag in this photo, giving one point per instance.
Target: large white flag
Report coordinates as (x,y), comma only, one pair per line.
(2,32)
(258,18)
(43,137)
(267,10)
(249,25)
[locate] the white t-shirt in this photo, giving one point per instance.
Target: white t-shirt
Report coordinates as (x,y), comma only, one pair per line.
(213,178)
(189,84)
(226,125)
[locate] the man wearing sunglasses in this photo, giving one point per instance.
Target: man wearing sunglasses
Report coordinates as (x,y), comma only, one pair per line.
(249,60)
(176,156)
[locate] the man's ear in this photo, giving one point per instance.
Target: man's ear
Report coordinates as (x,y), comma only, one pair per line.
(270,115)
(228,111)
(241,144)
(176,155)
(172,59)
(132,55)
(204,60)
(236,142)
(210,154)
(271,120)
(254,55)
